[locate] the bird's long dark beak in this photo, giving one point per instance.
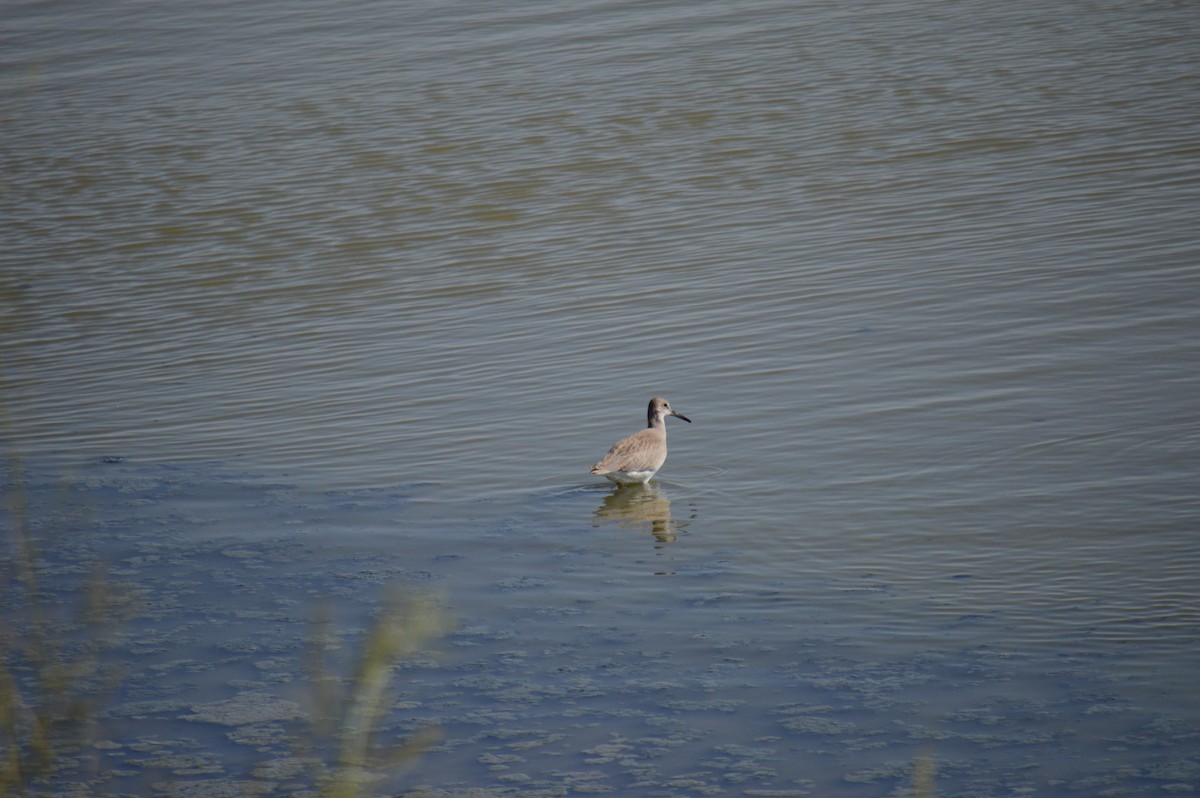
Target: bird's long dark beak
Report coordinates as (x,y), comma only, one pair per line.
(681,416)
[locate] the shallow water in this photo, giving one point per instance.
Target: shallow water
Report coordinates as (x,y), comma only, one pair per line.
(301,305)
(599,648)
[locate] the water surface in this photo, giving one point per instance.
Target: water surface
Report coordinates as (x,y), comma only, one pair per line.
(326,300)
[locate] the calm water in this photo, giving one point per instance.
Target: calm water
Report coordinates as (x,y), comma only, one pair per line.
(301,302)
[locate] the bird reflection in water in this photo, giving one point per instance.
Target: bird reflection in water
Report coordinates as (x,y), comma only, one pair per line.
(643,508)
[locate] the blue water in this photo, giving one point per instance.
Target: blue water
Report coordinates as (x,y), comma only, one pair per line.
(303,304)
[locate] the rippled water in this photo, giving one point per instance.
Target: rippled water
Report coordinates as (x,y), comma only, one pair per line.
(390,278)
